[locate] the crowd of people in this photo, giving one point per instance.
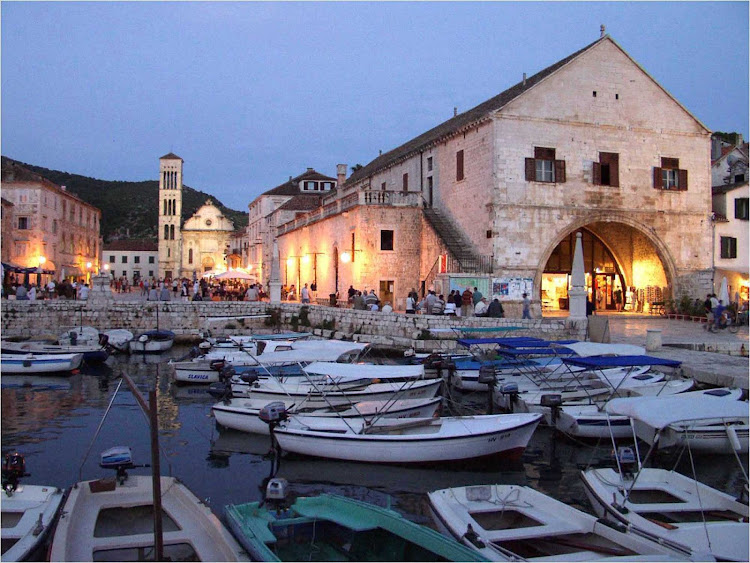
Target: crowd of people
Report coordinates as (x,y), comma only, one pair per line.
(63,289)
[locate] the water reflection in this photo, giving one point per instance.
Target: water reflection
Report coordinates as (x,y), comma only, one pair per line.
(54,423)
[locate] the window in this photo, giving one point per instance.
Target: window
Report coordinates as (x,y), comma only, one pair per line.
(406,182)
(309,186)
(136,259)
(166,232)
(111,258)
(325,186)
(54,226)
(23,223)
(669,176)
(190,255)
(171,232)
(607,170)
(124,259)
(459,166)
(728,247)
(150,260)
(125,273)
(382,186)
(429,164)
(741,208)
(544,168)
(386,239)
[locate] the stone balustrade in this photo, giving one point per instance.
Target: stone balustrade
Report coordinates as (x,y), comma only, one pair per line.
(37,319)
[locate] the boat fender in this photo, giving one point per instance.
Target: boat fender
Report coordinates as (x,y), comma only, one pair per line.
(733,439)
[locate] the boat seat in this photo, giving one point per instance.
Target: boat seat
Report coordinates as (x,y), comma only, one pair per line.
(348,519)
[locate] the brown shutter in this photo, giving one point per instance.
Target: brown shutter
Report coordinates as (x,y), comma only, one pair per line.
(530,170)
(682,180)
(597,173)
(657,178)
(614,170)
(559,171)
(460,165)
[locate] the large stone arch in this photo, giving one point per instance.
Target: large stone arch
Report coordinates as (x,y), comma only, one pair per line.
(660,248)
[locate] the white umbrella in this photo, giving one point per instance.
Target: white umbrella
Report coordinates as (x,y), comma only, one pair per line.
(209,274)
(234,275)
(724,292)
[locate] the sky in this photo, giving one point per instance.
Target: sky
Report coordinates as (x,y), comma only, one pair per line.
(251,93)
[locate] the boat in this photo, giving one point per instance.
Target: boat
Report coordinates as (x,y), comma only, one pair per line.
(673,507)
(320,396)
(515,523)
(80,335)
(112,519)
(244,340)
(33,364)
(28,511)
(119,339)
(92,353)
(710,421)
(243,413)
(152,341)
(333,528)
(417,440)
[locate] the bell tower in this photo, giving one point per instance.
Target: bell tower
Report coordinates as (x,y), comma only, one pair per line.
(170,213)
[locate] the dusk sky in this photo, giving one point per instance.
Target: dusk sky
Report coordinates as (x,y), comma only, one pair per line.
(249,94)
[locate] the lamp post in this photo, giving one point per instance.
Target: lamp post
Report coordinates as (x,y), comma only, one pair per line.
(88,272)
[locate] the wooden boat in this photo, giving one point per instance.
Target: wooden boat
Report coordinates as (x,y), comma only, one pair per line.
(321,396)
(512,523)
(33,364)
(333,528)
(419,440)
(92,353)
(674,507)
(711,421)
(152,341)
(113,521)
(243,340)
(242,414)
(80,335)
(119,339)
(28,511)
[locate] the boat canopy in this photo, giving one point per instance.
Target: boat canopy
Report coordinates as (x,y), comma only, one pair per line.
(660,412)
(602,362)
(364,371)
(603,349)
(518,340)
(533,351)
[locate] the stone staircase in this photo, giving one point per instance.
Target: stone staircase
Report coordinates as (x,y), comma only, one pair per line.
(465,260)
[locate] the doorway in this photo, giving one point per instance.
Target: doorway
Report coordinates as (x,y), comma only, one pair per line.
(604,288)
(386,292)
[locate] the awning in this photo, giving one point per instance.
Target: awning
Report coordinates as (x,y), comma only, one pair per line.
(7,268)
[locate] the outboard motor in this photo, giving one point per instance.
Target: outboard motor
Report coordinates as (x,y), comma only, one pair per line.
(103,339)
(14,467)
(204,347)
(626,461)
(221,390)
(273,413)
(217,365)
(227,373)
(510,393)
(119,458)
(276,494)
(553,401)
(250,377)
(73,337)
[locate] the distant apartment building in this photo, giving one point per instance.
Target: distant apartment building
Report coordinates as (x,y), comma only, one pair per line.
(135,259)
(52,229)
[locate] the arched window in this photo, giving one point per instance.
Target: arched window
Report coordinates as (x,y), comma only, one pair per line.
(166,232)
(171,232)
(165,207)
(190,256)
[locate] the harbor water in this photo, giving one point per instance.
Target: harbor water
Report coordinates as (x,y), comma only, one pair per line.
(55,422)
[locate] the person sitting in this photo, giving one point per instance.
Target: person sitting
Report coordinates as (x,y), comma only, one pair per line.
(450,308)
(495,309)
(480,309)
(387,307)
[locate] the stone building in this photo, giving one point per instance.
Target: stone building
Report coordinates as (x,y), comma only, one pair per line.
(52,229)
(135,259)
(202,243)
(592,143)
(6,239)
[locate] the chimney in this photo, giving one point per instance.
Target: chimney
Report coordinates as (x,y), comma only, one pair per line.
(455,111)
(64,188)
(602,30)
(524,79)
(309,169)
(341,174)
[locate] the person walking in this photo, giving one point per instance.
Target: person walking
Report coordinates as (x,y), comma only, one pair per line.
(526,306)
(305,295)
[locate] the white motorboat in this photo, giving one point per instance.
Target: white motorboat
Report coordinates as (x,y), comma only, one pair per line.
(419,440)
(237,341)
(674,507)
(119,339)
(33,364)
(320,396)
(92,353)
(80,335)
(152,342)
(514,523)
(109,520)
(712,421)
(28,511)
(243,414)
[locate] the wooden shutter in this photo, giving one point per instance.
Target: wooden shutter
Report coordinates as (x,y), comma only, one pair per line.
(460,165)
(657,178)
(682,180)
(530,169)
(597,177)
(559,171)
(613,159)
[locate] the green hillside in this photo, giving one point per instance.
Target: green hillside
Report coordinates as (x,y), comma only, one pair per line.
(130,209)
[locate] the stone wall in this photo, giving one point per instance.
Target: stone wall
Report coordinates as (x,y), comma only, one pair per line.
(423,332)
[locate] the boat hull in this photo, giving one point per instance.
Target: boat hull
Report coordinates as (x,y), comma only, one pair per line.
(152,342)
(32,364)
(32,510)
(443,439)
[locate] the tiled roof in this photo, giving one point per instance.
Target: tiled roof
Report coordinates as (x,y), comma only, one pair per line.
(292,186)
(474,115)
(139,245)
(302,202)
(6,202)
(170,156)
(717,190)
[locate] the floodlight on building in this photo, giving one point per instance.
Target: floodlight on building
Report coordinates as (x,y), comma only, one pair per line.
(306,259)
(346,257)
(42,260)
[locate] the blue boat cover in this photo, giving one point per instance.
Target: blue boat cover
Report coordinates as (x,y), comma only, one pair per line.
(468,342)
(537,344)
(599,362)
(532,351)
(486,328)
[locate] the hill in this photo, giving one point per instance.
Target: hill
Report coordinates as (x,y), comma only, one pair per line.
(130,209)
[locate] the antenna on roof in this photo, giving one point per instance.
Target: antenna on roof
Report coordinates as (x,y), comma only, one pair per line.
(524,79)
(602,30)
(455,111)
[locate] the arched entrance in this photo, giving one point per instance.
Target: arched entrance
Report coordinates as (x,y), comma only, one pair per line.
(207,263)
(619,261)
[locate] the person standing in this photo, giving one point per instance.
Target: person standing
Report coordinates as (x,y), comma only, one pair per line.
(476,297)
(32,293)
(305,295)
(358,302)
(467,303)
(526,306)
(618,299)
(410,305)
(84,292)
(495,309)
